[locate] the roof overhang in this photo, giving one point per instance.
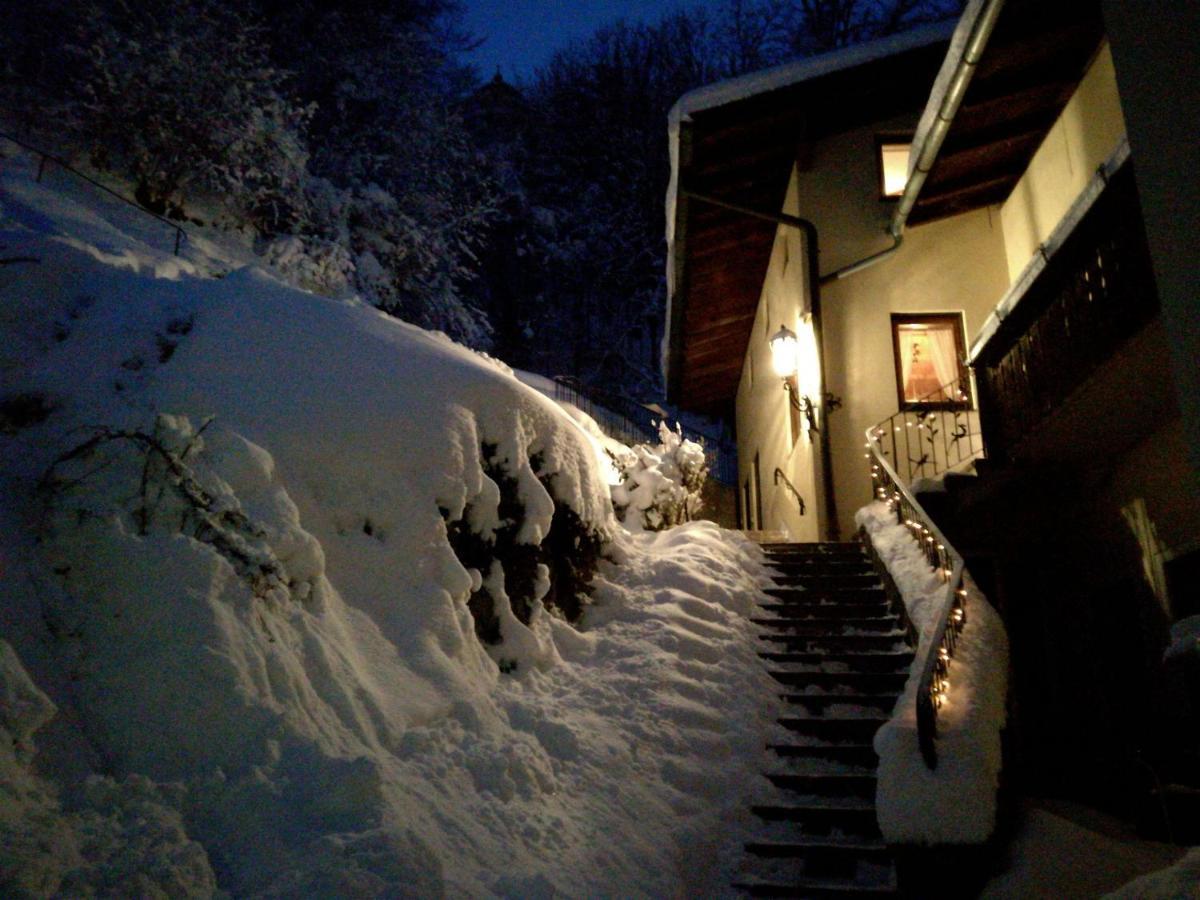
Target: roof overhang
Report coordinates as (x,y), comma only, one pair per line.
(1031,66)
(738,141)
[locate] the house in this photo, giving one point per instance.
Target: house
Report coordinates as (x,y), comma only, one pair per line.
(983,239)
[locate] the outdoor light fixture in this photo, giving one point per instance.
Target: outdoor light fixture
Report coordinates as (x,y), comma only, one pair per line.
(785,359)
(785,352)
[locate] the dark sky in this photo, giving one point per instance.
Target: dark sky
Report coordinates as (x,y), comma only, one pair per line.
(522,34)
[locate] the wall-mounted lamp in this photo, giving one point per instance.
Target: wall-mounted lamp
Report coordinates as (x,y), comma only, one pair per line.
(785,359)
(785,352)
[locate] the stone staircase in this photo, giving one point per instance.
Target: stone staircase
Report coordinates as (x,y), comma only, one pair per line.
(840,655)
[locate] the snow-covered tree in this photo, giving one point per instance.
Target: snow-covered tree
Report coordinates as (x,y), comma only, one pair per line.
(403,189)
(180,98)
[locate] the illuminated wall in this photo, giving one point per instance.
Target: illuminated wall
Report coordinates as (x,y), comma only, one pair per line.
(1084,136)
(767,427)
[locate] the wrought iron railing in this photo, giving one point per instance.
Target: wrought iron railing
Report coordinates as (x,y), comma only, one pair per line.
(45,158)
(1094,292)
(936,649)
(632,423)
(935,435)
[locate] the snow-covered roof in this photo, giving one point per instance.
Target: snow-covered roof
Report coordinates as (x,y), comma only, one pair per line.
(731,90)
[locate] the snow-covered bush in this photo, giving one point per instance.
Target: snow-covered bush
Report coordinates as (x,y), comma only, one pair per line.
(661,483)
(523,568)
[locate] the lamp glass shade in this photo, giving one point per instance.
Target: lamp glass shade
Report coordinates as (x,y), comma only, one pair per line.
(785,352)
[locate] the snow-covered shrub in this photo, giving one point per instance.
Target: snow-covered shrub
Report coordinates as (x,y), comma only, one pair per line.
(173,496)
(315,264)
(660,484)
(526,570)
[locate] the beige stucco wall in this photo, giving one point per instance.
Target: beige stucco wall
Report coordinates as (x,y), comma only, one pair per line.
(963,264)
(764,420)
(1084,136)
(954,265)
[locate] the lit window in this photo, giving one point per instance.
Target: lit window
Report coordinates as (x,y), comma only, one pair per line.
(893,167)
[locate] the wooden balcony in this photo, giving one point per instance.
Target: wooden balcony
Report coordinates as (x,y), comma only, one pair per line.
(1073,364)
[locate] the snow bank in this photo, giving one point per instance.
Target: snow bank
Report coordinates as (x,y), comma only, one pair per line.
(225,512)
(1178,882)
(956,802)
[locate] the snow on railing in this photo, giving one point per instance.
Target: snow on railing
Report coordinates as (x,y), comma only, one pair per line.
(934,681)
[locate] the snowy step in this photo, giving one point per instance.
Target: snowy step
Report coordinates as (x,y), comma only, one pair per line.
(786,860)
(815,887)
(858,847)
(842,662)
(801,565)
(820,611)
(828,595)
(844,705)
(837,643)
(846,548)
(851,730)
(861,755)
(844,682)
(825,784)
(829,627)
(854,817)
(823,581)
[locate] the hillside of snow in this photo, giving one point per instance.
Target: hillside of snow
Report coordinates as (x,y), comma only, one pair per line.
(236,651)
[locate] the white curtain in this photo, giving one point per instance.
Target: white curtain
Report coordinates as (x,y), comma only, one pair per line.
(945,354)
(906,358)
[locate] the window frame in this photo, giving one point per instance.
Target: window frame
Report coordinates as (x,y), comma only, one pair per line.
(889,138)
(953,320)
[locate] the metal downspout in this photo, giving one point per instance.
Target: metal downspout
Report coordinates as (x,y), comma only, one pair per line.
(932,142)
(811,248)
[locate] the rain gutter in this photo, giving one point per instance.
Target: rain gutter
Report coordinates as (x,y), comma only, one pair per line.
(966,49)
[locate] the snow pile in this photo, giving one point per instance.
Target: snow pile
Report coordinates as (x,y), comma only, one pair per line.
(113,839)
(661,484)
(227,545)
(1185,639)
(956,802)
(1178,882)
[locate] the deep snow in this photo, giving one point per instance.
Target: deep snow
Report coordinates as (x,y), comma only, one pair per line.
(279,691)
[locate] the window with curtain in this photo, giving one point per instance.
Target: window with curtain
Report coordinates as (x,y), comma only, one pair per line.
(930,351)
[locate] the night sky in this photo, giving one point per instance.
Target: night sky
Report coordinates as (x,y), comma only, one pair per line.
(523,34)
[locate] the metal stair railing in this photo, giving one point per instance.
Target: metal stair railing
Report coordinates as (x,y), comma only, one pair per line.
(934,434)
(934,661)
(44,157)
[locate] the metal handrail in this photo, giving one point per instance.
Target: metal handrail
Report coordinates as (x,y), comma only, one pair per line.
(945,426)
(933,682)
(180,234)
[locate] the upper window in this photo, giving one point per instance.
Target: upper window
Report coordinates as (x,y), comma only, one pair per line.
(893,165)
(931,370)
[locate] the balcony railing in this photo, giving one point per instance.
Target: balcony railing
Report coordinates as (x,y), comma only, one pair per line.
(934,436)
(937,652)
(1091,289)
